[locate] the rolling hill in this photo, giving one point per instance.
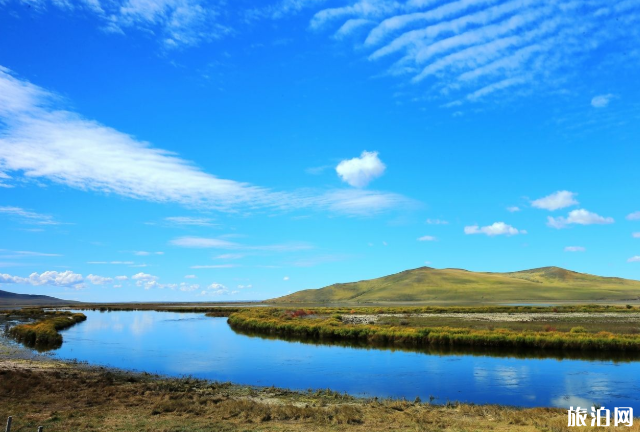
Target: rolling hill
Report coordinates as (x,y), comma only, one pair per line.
(426,284)
(12,299)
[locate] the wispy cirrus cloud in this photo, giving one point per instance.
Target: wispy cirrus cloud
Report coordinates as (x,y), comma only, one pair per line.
(175,23)
(26,216)
(39,141)
(216,243)
(468,50)
(189,221)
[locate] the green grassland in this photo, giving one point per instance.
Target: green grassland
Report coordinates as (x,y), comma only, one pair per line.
(429,285)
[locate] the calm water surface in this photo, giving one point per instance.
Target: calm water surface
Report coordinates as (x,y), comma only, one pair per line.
(191,344)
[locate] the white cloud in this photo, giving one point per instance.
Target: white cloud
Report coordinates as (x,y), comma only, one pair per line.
(99,280)
(466,50)
(121,278)
(111,262)
(230,256)
(601,101)
(213,243)
(513,209)
(635,235)
(356,202)
(556,200)
(634,259)
(204,243)
(145,253)
(360,171)
(574,249)
(41,142)
(146,281)
(50,278)
(188,287)
(634,216)
(216,289)
(579,217)
(175,23)
(286,278)
(436,222)
(24,215)
(497,228)
(427,238)
(191,277)
(214,266)
(187,220)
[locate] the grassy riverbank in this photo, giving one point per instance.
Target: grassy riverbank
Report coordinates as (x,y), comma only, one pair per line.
(43,332)
(65,397)
(333,324)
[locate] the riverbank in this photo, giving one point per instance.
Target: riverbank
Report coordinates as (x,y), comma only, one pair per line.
(62,396)
(585,328)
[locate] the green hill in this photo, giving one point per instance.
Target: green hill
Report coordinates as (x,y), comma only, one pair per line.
(431,285)
(9,299)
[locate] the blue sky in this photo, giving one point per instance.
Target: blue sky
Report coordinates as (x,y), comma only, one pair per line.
(192,150)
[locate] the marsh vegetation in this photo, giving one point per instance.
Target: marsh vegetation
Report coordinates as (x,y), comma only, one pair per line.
(587,328)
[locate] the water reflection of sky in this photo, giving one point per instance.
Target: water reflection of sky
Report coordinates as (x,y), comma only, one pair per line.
(191,344)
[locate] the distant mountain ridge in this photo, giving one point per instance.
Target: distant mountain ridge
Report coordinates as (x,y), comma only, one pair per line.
(12,299)
(426,284)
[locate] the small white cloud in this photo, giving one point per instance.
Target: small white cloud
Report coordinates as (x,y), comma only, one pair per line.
(574,249)
(601,101)
(635,235)
(145,253)
(427,238)
(384,243)
(146,281)
(190,277)
(99,280)
(634,259)
(513,209)
(634,216)
(498,228)
(556,200)
(436,222)
(286,278)
(359,172)
(121,278)
(578,217)
(214,266)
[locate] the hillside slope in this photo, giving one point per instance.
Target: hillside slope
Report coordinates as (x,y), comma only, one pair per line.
(426,284)
(13,299)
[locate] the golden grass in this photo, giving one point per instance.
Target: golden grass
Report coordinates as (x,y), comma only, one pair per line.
(68,398)
(44,333)
(318,324)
